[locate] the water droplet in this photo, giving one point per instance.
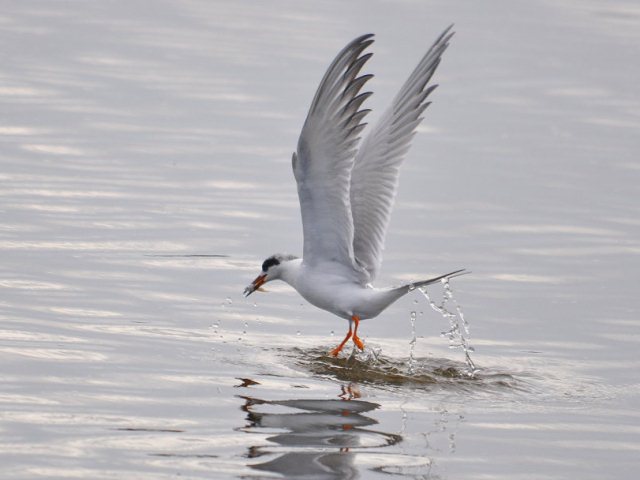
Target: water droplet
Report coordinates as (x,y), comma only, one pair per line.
(412,344)
(298,333)
(332,333)
(458,325)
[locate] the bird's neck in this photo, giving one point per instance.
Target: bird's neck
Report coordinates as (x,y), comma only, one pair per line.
(290,271)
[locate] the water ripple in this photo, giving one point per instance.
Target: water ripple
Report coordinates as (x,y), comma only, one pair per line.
(384,372)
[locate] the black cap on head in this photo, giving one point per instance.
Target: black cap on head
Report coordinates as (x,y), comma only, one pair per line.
(269,262)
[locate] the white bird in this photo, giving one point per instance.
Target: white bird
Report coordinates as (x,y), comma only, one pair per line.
(346,194)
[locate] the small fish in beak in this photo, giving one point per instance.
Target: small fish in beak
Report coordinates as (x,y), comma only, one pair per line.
(255,285)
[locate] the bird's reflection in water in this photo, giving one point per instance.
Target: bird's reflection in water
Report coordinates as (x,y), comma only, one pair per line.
(322,438)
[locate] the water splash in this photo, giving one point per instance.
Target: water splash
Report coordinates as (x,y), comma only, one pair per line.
(368,356)
(374,369)
(412,345)
(458,333)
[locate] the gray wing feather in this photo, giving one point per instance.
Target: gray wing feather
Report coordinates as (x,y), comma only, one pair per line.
(325,156)
(374,178)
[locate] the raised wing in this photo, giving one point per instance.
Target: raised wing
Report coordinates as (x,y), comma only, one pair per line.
(374,179)
(325,156)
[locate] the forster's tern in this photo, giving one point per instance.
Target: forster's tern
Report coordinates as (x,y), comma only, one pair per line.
(346,194)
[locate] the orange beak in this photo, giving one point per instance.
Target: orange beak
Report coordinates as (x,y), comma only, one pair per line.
(255,285)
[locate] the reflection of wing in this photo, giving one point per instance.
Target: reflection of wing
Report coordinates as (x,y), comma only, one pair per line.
(374,179)
(325,156)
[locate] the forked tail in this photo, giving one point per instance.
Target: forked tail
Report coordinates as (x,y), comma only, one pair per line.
(447,276)
(391,294)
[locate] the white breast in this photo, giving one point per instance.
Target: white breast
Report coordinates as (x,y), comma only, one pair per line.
(333,289)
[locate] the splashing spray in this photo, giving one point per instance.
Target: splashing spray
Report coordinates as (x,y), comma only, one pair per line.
(458,333)
(412,345)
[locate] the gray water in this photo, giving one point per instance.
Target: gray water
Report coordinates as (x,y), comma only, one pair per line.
(145,175)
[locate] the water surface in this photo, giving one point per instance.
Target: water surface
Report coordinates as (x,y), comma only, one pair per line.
(145,175)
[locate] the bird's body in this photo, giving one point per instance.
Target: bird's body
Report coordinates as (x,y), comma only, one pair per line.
(330,286)
(346,194)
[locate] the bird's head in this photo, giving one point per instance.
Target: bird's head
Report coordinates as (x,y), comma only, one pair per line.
(272,269)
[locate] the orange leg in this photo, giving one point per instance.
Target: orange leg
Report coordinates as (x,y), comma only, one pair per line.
(338,349)
(350,333)
(356,339)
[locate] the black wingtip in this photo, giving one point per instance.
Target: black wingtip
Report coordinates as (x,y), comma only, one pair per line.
(458,273)
(446,35)
(366,40)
